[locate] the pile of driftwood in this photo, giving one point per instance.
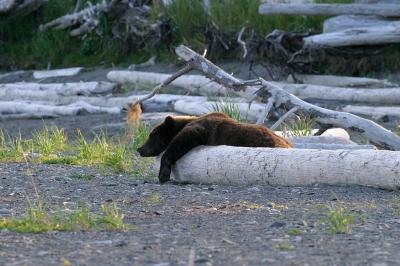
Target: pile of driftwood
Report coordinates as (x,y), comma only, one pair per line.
(241,165)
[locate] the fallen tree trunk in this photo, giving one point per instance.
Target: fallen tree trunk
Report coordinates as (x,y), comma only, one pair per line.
(290,167)
(345,22)
(341,81)
(373,96)
(7,108)
(384,10)
(376,112)
(376,134)
(204,86)
(389,33)
(28,89)
(65,72)
(159,103)
(194,83)
(324,146)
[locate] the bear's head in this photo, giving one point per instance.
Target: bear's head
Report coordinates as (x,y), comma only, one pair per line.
(162,135)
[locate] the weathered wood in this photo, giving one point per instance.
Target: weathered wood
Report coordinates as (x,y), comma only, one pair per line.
(204,86)
(376,112)
(247,112)
(27,89)
(384,10)
(345,22)
(356,36)
(290,167)
(194,83)
(324,146)
(373,96)
(376,134)
(7,108)
(15,8)
(341,81)
(65,72)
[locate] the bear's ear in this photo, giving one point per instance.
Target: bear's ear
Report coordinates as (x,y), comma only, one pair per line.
(169,120)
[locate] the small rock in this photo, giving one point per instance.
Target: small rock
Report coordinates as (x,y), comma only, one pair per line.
(253,189)
(277,225)
(162,264)
(42,253)
(102,242)
(201,260)
(121,243)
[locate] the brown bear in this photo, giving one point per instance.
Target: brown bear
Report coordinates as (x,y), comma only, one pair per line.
(179,134)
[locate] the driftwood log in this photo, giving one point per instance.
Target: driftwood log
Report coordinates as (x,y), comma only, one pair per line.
(28,89)
(206,86)
(375,133)
(345,22)
(388,33)
(42,74)
(341,81)
(376,112)
(384,10)
(293,167)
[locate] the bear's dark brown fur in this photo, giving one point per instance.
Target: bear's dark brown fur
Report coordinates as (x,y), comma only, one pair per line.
(179,134)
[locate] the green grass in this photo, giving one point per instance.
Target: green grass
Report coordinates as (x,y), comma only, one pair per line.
(285,246)
(340,220)
(298,126)
(229,108)
(294,231)
(50,146)
(37,219)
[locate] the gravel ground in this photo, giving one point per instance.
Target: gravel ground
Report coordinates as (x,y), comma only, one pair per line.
(222,225)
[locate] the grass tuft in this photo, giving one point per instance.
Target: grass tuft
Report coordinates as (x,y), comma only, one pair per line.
(294,231)
(37,220)
(298,127)
(285,247)
(229,108)
(340,220)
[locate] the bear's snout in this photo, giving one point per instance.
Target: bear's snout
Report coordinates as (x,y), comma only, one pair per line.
(141,151)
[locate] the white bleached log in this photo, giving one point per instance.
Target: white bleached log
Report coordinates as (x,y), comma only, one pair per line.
(384,10)
(376,112)
(389,33)
(370,95)
(7,108)
(341,81)
(345,22)
(194,83)
(65,72)
(29,89)
(159,103)
(248,112)
(324,146)
(204,86)
(375,133)
(290,167)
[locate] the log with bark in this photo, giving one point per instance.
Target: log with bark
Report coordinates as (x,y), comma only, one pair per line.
(384,10)
(290,167)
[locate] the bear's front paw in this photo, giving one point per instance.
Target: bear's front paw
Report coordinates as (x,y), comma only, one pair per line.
(164,175)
